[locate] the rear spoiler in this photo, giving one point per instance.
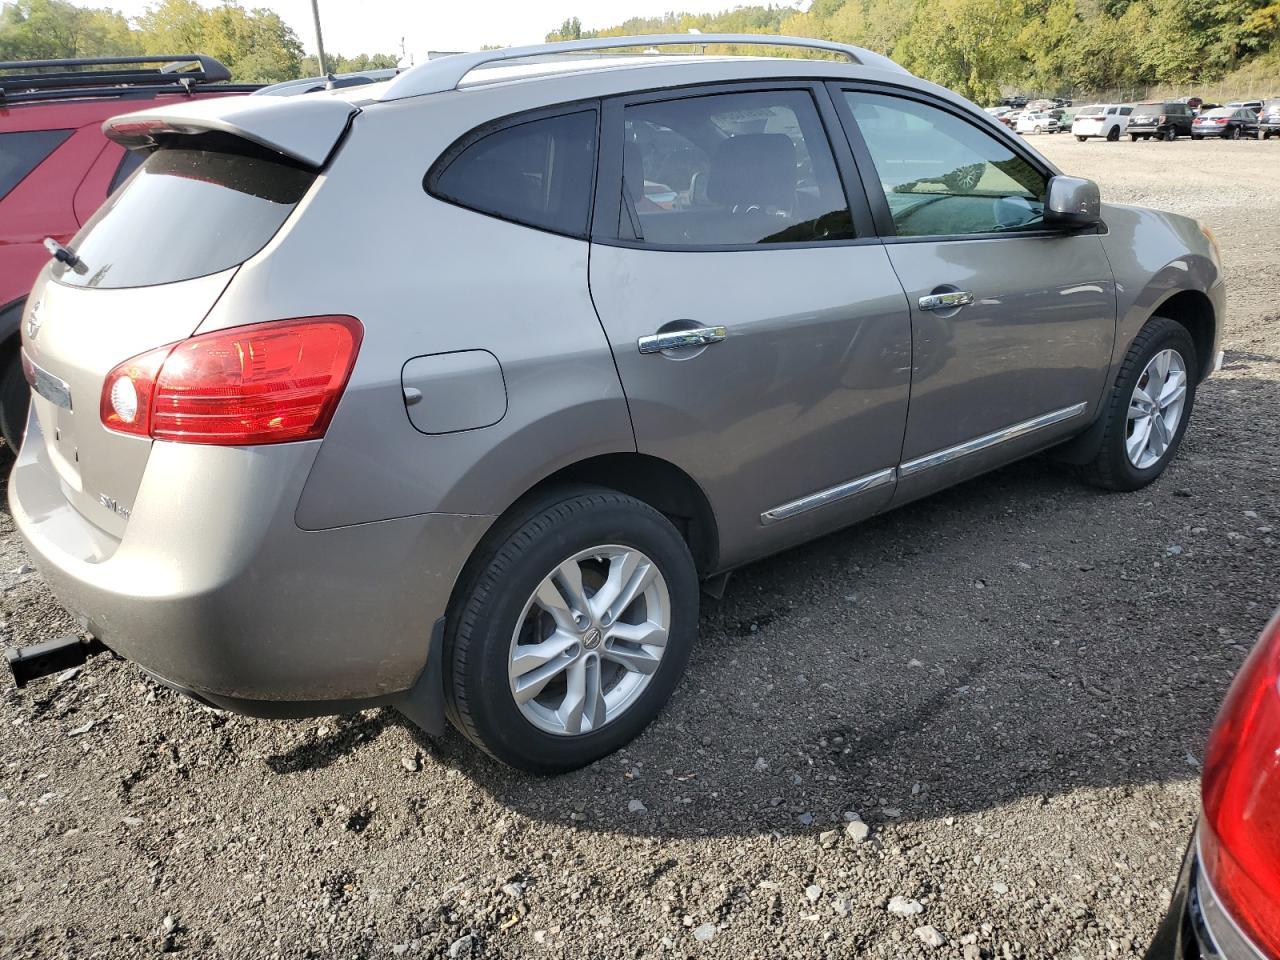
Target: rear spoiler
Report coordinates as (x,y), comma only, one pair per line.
(304,128)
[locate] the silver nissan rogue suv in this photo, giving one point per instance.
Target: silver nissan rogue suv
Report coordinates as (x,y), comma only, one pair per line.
(448,392)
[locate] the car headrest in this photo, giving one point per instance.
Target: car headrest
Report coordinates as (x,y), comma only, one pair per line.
(754,169)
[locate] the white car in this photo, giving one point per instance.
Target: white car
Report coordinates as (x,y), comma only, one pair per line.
(1107,120)
(1037,123)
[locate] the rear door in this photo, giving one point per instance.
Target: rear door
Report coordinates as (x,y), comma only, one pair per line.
(1012,322)
(761,336)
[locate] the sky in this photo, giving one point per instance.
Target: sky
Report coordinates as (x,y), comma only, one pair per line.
(376,26)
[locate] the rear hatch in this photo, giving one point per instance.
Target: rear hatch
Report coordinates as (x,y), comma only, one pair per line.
(1146,114)
(151,264)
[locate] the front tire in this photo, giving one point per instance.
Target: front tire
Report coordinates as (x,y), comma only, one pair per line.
(1149,407)
(573,631)
(15,398)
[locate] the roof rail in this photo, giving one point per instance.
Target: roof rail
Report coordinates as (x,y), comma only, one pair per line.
(34,79)
(446,73)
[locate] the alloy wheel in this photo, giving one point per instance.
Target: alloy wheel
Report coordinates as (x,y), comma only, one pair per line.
(589,640)
(1155,409)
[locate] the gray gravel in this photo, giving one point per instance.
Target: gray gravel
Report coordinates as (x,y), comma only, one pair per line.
(970,728)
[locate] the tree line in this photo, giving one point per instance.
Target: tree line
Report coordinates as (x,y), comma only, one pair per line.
(255,44)
(977,47)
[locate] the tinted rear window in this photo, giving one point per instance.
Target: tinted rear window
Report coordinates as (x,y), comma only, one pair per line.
(20,153)
(1148,109)
(198,206)
(539,173)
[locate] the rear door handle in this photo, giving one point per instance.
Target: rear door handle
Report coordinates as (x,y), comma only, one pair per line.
(676,339)
(946,301)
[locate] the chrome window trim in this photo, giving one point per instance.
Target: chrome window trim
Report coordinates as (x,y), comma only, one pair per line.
(1003,435)
(831,495)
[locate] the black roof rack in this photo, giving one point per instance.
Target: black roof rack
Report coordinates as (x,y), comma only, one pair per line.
(104,76)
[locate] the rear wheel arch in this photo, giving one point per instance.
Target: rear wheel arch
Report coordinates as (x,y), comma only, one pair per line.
(652,480)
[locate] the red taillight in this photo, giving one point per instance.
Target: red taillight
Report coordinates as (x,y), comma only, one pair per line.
(1240,836)
(1163,118)
(265,383)
(1219,119)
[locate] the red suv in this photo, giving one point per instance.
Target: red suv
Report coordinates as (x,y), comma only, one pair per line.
(56,168)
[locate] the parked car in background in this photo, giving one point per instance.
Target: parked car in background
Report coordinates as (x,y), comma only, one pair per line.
(1253,105)
(1161,119)
(1106,120)
(1225,122)
(56,167)
(1031,122)
(1227,902)
(1269,119)
(287,488)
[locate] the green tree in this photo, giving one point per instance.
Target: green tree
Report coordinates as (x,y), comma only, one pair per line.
(967,45)
(56,29)
(256,45)
(571,29)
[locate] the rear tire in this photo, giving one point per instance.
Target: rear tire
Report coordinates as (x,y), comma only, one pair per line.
(1235,133)
(1113,135)
(503,609)
(1113,468)
(1082,139)
(1170,135)
(1133,137)
(15,399)
(1197,136)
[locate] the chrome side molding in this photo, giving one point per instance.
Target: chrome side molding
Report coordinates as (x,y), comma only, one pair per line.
(989,440)
(831,495)
(892,474)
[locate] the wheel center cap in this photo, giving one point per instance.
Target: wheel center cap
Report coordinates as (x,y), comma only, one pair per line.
(591,639)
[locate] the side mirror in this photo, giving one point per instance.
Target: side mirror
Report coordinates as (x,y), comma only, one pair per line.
(1072,202)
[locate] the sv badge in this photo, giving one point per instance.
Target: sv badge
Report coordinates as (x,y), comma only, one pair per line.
(114,506)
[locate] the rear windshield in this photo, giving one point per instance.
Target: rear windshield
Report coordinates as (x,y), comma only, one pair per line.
(1148,110)
(20,153)
(1090,112)
(195,207)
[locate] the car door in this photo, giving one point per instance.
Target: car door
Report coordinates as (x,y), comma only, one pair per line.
(1012,322)
(761,336)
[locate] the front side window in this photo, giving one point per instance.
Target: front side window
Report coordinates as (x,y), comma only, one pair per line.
(20,153)
(731,169)
(539,173)
(941,175)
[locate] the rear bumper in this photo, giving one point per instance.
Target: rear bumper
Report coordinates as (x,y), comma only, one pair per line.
(1196,926)
(217,592)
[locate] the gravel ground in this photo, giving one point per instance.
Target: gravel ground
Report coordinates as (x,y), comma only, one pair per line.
(1006,687)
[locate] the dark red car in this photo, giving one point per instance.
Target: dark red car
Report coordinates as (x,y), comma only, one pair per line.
(56,167)
(1227,905)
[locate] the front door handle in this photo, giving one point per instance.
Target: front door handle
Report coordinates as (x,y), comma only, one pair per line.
(676,339)
(946,301)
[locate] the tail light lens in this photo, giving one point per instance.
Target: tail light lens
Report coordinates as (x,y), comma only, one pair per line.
(1240,835)
(265,383)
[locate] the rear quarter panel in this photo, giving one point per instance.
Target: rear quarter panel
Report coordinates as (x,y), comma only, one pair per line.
(426,277)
